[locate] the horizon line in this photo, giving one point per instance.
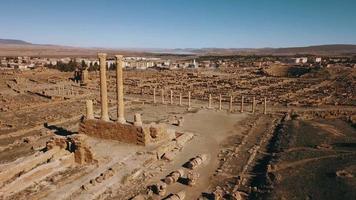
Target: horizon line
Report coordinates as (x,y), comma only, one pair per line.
(170,48)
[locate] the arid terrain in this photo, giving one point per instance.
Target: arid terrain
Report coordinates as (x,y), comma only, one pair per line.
(243,130)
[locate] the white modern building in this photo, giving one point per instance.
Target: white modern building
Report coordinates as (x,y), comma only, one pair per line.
(301,60)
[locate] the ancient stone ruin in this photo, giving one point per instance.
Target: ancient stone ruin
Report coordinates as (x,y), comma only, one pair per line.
(120,130)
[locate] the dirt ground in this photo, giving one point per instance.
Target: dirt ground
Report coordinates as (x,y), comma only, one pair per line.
(308,155)
(253,155)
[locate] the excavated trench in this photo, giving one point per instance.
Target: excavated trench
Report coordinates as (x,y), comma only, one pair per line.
(307,159)
(263,180)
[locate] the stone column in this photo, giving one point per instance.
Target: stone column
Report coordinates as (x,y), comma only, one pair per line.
(189,95)
(171,97)
(154,95)
(253,104)
(90,112)
(230,106)
(120,89)
(220,105)
(137,119)
(209,106)
(265,106)
(85,77)
(242,104)
(103,87)
(162,96)
(180,99)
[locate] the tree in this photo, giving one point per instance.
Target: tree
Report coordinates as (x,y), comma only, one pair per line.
(83,65)
(93,67)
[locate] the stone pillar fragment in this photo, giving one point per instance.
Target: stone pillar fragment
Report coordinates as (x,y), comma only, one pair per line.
(171,97)
(154,95)
(189,96)
(230,106)
(220,105)
(180,99)
(137,119)
(120,89)
(103,87)
(209,106)
(174,176)
(162,96)
(265,106)
(89,109)
(253,104)
(242,104)
(84,77)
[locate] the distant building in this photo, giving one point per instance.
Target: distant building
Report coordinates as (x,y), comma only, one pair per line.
(21,66)
(318,59)
(110,64)
(301,60)
(195,64)
(65,60)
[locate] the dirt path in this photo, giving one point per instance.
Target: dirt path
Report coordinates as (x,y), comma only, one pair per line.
(284,166)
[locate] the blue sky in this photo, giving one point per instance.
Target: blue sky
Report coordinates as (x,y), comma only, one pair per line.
(180,23)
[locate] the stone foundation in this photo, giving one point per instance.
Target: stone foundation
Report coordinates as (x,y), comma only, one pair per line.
(127,133)
(76,144)
(112,131)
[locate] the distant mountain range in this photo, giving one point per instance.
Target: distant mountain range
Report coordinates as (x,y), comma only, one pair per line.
(12,47)
(12,41)
(332,49)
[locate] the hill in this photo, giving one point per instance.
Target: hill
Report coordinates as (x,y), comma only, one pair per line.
(332,49)
(338,49)
(12,47)
(12,41)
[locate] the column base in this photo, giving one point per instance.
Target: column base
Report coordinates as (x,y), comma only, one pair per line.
(137,123)
(105,118)
(121,120)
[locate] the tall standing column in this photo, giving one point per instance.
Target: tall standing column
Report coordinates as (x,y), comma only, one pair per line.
(230,106)
(265,106)
(162,96)
(154,95)
(209,106)
(220,99)
(85,77)
(242,104)
(103,87)
(120,90)
(171,97)
(180,99)
(253,104)
(189,95)
(90,112)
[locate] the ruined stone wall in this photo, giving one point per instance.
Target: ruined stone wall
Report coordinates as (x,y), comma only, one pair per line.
(327,114)
(112,131)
